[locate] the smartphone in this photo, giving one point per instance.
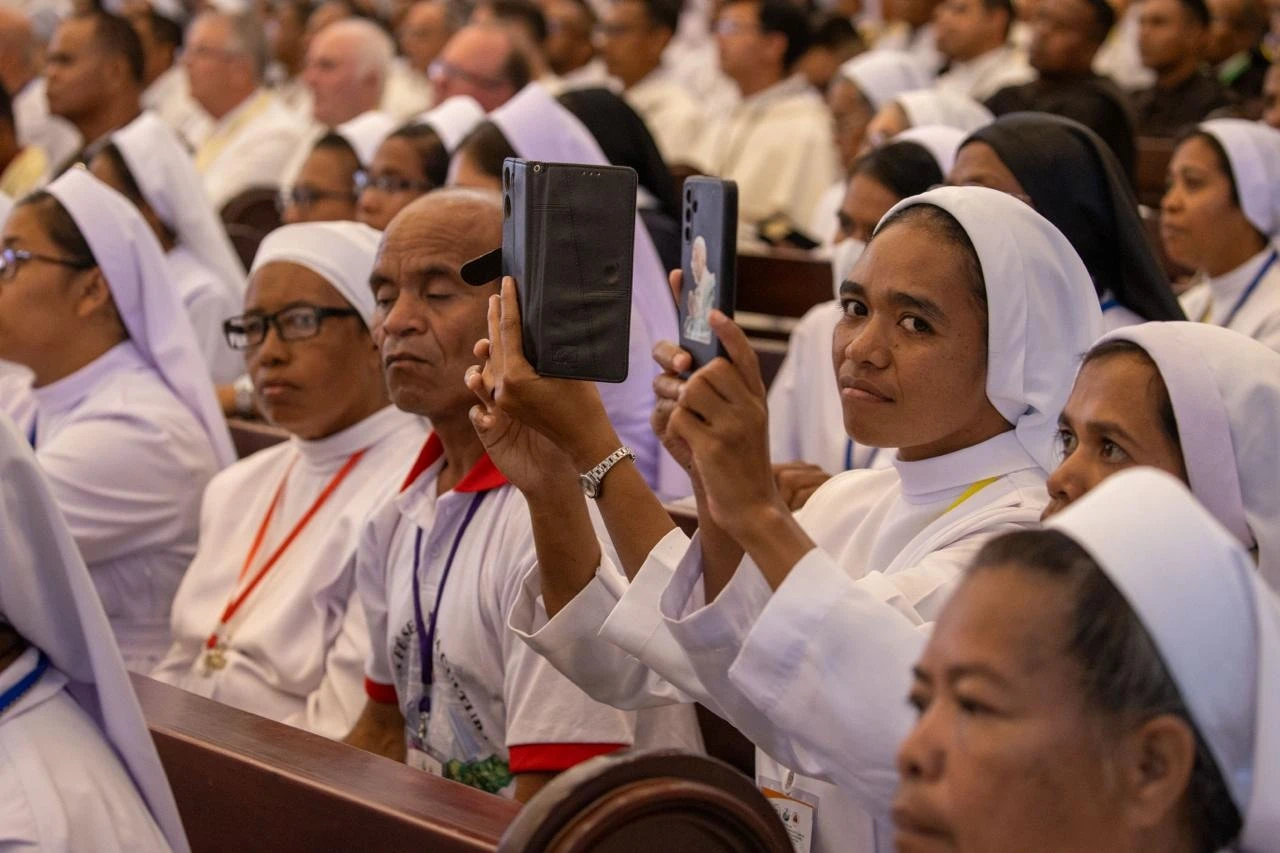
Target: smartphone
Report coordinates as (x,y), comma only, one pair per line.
(568,239)
(709,263)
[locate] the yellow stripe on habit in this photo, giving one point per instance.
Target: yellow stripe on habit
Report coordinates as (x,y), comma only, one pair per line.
(971,491)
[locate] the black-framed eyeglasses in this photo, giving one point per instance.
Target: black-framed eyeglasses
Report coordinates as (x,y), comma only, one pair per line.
(442,70)
(11,259)
(304,197)
(294,323)
(391,184)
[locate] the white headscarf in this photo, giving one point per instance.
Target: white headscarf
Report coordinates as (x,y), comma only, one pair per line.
(1042,310)
(1225,391)
(1253,150)
(175,191)
(133,264)
(1213,620)
(366,132)
(939,140)
(882,75)
(47,595)
(927,106)
(453,119)
(341,253)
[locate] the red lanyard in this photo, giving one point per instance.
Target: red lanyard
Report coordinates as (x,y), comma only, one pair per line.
(234,604)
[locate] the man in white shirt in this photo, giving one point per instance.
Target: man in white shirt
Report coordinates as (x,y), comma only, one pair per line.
(451,690)
(633,36)
(167,92)
(973,36)
(777,144)
(20,76)
(348,63)
(253,134)
(485,62)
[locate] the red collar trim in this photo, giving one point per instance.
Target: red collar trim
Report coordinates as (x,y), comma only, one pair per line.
(484,476)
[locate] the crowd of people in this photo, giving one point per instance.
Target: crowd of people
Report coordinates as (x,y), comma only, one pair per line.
(925,582)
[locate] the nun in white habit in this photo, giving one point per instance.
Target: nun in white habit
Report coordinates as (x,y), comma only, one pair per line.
(1245,297)
(893,540)
(127,428)
(950,110)
(453,119)
(203,266)
(78,769)
(882,75)
(292,645)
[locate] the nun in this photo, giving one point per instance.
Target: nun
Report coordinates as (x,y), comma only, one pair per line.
(327,184)
(1089,657)
(266,618)
(78,767)
(1068,174)
(964,320)
(533,125)
(414,160)
(127,428)
(145,162)
(1221,216)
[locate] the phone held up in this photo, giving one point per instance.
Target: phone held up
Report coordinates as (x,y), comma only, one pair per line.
(709,263)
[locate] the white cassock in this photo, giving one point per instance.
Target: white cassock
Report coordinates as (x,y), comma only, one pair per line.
(130,440)
(1119,57)
(1247,299)
(921,43)
(170,98)
(248,148)
(407,92)
(674,118)
(36,126)
(78,769)
(933,107)
(983,76)
(890,547)
(203,266)
(497,708)
(694,63)
(778,146)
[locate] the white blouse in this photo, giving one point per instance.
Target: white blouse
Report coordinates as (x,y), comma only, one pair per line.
(1214,300)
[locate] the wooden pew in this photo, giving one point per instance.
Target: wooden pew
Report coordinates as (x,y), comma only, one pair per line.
(782,282)
(251,436)
(1152,169)
(249,217)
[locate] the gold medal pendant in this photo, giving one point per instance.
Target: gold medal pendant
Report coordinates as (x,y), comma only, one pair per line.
(215,659)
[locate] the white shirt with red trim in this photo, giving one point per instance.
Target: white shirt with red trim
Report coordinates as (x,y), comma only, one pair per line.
(497,707)
(296,647)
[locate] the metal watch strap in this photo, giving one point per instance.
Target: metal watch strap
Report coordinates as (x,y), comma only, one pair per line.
(592,480)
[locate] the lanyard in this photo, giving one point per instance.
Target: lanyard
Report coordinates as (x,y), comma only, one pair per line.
(14,693)
(973,489)
(233,606)
(427,633)
(1253,285)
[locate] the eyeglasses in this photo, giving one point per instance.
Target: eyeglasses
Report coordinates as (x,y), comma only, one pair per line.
(442,70)
(307,196)
(391,184)
(295,323)
(10,259)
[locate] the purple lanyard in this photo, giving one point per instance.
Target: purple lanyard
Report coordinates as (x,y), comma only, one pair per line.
(427,634)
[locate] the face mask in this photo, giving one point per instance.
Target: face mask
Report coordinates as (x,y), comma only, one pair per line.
(843,256)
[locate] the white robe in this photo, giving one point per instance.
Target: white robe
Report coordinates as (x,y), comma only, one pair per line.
(982,77)
(207,302)
(127,463)
(16,398)
(62,786)
(893,541)
(37,126)
(674,118)
(407,92)
(248,147)
(696,66)
(297,648)
(778,146)
(922,43)
(1212,300)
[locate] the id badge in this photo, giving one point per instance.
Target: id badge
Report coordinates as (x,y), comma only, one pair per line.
(417,756)
(797,815)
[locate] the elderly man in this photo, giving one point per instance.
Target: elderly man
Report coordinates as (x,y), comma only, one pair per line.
(347,66)
(253,135)
(461,697)
(95,73)
(20,76)
(483,61)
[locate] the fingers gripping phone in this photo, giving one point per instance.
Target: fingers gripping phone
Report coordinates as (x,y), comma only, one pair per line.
(709,263)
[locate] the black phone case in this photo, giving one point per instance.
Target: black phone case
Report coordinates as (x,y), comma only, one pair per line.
(710,213)
(568,238)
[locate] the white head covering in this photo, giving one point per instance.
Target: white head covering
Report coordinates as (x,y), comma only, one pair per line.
(366,132)
(47,595)
(1225,391)
(1213,620)
(1253,149)
(341,253)
(927,106)
(1042,310)
(453,119)
(939,140)
(133,265)
(882,75)
(175,191)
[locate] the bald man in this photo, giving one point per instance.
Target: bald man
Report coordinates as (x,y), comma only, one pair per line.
(463,697)
(484,61)
(20,61)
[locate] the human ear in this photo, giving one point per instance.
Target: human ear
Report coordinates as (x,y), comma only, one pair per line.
(1157,760)
(93,293)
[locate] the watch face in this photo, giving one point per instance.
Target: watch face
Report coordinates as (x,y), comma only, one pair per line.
(590,487)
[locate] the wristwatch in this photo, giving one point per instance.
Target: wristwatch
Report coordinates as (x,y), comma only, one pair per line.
(243,387)
(592,481)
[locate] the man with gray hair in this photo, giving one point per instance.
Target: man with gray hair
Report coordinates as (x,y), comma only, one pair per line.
(20,62)
(254,136)
(348,63)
